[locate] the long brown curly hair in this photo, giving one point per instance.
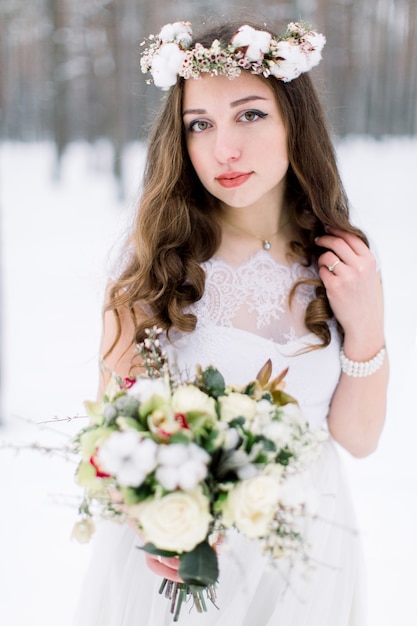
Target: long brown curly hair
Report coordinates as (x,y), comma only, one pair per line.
(177,226)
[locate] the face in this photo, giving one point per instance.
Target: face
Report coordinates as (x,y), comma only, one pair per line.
(236,139)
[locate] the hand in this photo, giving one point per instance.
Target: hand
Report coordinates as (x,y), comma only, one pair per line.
(164,566)
(349,274)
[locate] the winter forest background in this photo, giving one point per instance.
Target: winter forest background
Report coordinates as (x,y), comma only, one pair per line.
(74,112)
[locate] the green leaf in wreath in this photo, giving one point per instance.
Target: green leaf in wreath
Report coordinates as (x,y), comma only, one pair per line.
(200,566)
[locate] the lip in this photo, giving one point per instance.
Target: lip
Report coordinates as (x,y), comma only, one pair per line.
(233,179)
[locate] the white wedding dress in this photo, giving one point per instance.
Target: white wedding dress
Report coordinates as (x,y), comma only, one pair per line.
(243,320)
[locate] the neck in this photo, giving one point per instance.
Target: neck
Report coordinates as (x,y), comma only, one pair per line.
(250,230)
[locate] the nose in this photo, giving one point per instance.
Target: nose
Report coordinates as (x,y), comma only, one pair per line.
(227,147)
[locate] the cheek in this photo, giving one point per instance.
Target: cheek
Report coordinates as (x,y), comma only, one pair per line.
(197,160)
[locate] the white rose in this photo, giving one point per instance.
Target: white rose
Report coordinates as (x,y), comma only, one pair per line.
(177,522)
(237,405)
(190,399)
(256,41)
(251,505)
(166,65)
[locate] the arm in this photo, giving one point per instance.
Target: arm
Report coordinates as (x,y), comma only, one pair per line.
(119,360)
(354,290)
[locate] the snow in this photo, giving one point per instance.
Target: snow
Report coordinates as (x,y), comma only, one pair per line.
(58,240)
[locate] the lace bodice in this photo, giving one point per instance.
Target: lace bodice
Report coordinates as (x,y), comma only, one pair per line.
(244,319)
(254,297)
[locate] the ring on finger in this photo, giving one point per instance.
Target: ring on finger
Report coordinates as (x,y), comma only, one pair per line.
(331,267)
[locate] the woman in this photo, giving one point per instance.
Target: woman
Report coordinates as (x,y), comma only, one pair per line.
(243,251)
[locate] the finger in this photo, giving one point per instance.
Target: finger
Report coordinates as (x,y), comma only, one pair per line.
(331,262)
(353,241)
(162,569)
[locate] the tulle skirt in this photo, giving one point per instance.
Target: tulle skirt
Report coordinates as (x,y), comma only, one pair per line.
(119,589)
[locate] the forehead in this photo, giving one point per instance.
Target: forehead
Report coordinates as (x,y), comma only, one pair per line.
(221,89)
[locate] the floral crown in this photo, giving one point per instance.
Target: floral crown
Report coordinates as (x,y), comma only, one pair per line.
(170,54)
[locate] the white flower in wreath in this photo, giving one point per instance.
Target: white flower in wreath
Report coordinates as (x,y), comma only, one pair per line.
(166,65)
(128,457)
(177,522)
(314,43)
(178,32)
(251,505)
(181,466)
(257,42)
(293,61)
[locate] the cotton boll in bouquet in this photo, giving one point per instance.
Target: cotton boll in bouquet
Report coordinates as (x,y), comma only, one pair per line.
(184,462)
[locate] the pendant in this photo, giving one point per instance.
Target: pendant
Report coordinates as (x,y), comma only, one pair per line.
(266,244)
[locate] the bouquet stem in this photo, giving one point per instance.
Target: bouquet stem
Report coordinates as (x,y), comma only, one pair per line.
(179,593)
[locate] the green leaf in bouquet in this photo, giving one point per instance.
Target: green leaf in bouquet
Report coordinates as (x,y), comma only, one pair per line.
(212,382)
(184,436)
(128,423)
(150,548)
(284,456)
(91,438)
(236,422)
(95,411)
(281,398)
(135,495)
(200,566)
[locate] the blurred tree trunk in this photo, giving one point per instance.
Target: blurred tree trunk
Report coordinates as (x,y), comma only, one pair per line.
(58,55)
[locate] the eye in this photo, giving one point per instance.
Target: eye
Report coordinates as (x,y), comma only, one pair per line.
(198,126)
(252,115)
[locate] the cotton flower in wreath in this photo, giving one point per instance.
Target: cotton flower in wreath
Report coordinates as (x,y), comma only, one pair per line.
(178,32)
(237,405)
(292,61)
(176,522)
(166,65)
(256,42)
(313,44)
(128,457)
(181,466)
(251,505)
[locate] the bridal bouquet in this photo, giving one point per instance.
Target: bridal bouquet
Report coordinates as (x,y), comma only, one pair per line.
(183,462)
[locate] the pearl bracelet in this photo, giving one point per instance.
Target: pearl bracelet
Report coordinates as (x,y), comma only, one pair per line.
(359,369)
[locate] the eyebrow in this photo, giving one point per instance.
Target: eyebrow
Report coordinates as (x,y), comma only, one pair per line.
(233,104)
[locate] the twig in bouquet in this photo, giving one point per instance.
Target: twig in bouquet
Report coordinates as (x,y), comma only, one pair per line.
(59,451)
(153,356)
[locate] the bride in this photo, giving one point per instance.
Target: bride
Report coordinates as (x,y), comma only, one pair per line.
(243,251)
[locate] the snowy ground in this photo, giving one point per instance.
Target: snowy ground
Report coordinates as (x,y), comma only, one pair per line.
(56,240)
